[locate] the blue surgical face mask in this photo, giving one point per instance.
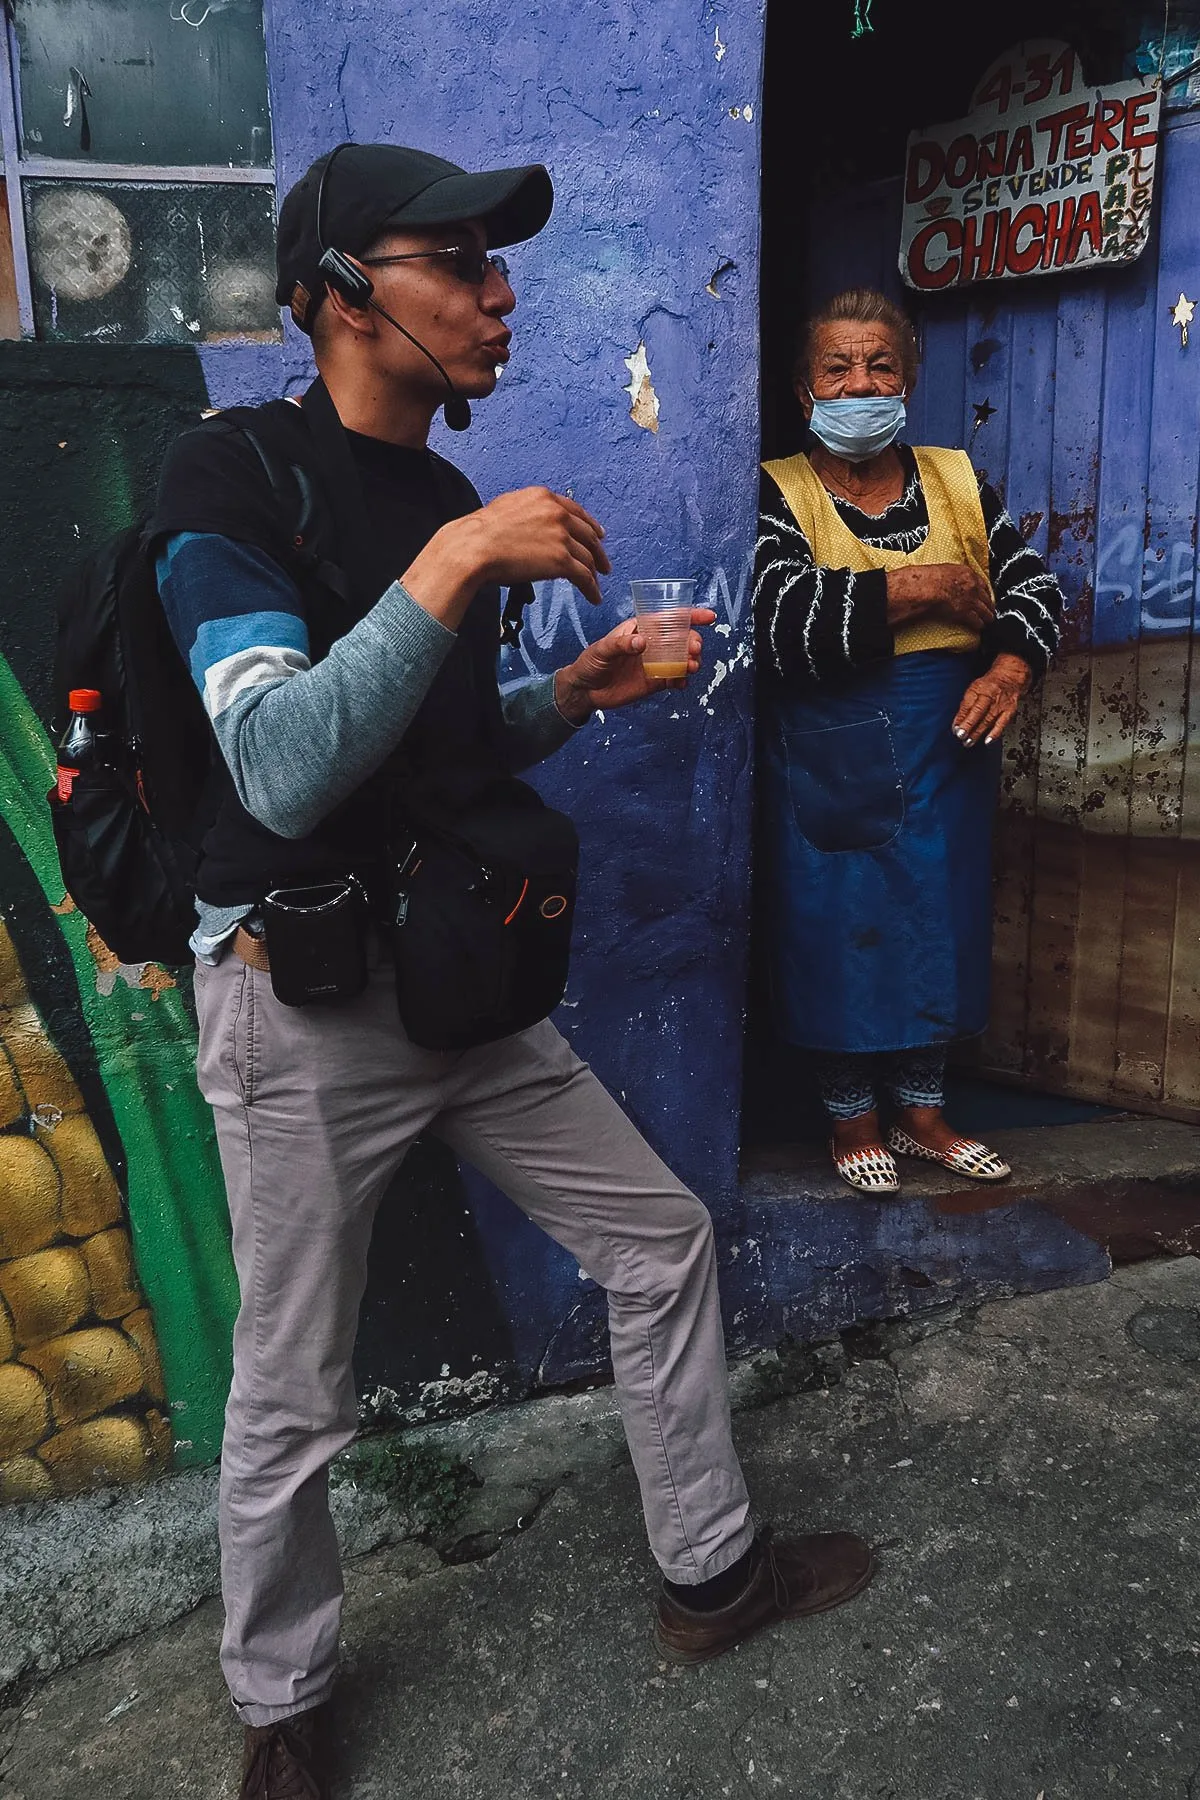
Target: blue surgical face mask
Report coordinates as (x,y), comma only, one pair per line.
(860,428)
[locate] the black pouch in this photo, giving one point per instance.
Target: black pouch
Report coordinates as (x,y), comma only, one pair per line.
(485,898)
(128,878)
(317,942)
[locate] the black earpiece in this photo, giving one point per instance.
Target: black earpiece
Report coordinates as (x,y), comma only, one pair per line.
(356,289)
(346,278)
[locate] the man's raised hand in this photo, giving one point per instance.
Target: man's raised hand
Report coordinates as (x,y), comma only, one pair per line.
(536,535)
(528,535)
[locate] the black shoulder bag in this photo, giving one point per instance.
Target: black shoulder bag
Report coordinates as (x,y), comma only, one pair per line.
(484,899)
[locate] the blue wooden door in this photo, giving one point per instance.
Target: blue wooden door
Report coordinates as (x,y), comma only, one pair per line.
(1078,399)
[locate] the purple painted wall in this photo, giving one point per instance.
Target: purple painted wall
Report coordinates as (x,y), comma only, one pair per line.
(645,117)
(650,123)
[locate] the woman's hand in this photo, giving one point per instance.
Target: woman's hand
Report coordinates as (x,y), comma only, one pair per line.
(990,704)
(951,590)
(610,672)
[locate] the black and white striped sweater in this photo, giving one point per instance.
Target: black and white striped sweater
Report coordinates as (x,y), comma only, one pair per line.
(817,625)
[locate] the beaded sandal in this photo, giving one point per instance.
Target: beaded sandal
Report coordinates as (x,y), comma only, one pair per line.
(872,1171)
(964,1157)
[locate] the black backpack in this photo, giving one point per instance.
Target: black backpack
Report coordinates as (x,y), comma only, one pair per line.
(129,836)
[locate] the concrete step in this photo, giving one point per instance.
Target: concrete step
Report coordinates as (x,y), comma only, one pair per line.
(1126,1181)
(818,1258)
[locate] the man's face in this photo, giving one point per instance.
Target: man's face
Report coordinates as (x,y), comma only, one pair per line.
(459,320)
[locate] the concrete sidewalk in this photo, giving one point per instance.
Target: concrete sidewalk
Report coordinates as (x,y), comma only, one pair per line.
(1029,1471)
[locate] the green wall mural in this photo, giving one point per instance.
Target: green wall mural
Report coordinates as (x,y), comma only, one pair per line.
(117,1290)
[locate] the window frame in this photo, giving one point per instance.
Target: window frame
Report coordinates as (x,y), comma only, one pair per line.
(19,168)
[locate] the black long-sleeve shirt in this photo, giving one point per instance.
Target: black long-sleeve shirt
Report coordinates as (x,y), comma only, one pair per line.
(818,625)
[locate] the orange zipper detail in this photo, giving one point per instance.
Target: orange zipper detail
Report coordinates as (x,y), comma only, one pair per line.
(516,909)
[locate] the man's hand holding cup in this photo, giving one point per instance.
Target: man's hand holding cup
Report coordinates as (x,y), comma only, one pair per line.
(612,671)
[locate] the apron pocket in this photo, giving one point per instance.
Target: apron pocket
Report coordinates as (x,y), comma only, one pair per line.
(844,784)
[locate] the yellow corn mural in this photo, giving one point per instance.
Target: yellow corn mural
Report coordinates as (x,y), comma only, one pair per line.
(81,1393)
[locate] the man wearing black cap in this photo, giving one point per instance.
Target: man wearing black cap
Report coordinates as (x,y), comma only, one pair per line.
(385,259)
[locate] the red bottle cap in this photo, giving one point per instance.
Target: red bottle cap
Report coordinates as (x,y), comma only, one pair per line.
(84,700)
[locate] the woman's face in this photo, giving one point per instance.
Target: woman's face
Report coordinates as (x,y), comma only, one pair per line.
(852,362)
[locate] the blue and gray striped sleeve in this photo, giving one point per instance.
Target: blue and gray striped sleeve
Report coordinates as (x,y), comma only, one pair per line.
(298,737)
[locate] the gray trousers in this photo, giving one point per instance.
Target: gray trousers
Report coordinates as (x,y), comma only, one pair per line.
(315,1109)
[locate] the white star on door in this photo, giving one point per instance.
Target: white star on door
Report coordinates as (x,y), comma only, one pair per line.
(1182,314)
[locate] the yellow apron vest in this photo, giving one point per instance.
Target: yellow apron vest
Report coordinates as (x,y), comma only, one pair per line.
(957,533)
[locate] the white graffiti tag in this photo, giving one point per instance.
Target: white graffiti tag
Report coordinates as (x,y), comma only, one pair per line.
(1160,578)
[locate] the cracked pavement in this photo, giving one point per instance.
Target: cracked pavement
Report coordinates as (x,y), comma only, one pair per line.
(1027,1469)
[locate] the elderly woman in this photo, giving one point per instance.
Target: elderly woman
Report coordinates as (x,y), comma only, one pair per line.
(901,617)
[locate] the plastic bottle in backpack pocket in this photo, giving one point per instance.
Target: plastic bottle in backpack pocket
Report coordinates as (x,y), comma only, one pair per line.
(80,744)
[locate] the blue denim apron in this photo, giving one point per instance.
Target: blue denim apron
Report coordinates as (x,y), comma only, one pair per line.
(878,855)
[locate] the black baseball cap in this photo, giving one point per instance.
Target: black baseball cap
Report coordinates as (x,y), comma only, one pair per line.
(373,186)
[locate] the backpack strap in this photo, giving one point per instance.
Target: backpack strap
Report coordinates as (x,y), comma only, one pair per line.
(286,481)
(342,485)
(272,436)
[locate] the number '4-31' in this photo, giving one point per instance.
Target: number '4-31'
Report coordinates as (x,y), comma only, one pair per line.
(1038,84)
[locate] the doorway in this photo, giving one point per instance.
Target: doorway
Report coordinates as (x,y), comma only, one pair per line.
(1084,394)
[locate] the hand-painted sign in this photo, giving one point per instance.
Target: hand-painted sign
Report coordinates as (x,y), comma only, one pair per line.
(1045,176)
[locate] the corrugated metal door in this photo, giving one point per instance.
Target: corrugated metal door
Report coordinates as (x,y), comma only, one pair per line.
(1079,400)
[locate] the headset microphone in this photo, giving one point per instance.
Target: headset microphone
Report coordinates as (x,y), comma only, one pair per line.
(356,288)
(456,408)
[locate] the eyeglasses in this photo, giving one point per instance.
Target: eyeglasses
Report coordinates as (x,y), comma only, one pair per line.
(470,264)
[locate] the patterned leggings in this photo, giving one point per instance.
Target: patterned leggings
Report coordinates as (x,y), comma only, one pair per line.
(911,1077)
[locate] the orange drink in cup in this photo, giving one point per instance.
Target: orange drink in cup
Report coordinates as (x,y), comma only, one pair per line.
(664,615)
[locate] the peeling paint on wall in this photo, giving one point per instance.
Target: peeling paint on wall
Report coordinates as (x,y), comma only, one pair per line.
(725,267)
(722,671)
(110,969)
(644,408)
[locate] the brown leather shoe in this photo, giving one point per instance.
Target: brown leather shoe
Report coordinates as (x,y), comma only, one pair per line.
(792,1576)
(286,1761)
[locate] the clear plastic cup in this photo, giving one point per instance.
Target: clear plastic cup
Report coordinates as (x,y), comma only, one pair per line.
(664,614)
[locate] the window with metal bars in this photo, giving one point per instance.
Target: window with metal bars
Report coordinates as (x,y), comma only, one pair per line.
(137,200)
